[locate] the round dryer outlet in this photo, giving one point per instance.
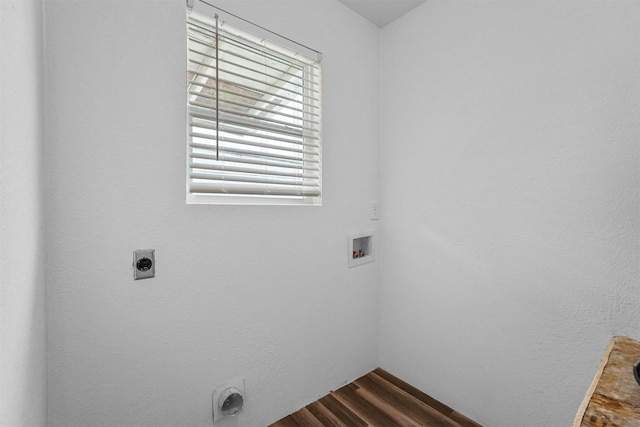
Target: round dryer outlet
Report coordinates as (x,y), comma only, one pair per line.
(228,399)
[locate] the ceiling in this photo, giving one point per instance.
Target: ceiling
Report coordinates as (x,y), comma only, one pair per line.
(381,12)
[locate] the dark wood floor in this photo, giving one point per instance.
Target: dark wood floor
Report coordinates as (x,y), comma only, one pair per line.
(378,399)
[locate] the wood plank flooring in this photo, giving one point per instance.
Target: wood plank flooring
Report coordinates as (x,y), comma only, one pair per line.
(377,399)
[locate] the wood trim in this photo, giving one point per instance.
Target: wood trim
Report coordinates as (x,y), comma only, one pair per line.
(587,397)
(612,399)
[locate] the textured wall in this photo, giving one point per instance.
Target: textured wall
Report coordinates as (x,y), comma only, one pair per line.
(23,379)
(260,292)
(509,181)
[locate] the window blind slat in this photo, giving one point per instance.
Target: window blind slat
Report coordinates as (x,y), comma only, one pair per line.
(249,179)
(228,156)
(249,114)
(277,97)
(242,147)
(257,190)
(257,116)
(310,74)
(256,141)
(268,155)
(308,153)
(243,169)
(290,84)
(240,123)
(300,75)
(247,81)
(252,107)
(198,28)
(249,133)
(206,27)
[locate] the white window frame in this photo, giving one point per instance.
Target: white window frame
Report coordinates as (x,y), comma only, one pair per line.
(256,127)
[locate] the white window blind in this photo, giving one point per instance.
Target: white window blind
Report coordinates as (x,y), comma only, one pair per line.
(254,118)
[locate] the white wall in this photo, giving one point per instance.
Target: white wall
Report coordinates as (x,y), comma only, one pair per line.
(259,292)
(509,184)
(22,249)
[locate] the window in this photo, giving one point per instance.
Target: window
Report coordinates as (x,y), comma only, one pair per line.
(254,118)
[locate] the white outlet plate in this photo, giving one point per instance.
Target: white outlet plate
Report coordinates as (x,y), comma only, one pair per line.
(375,210)
(144,270)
